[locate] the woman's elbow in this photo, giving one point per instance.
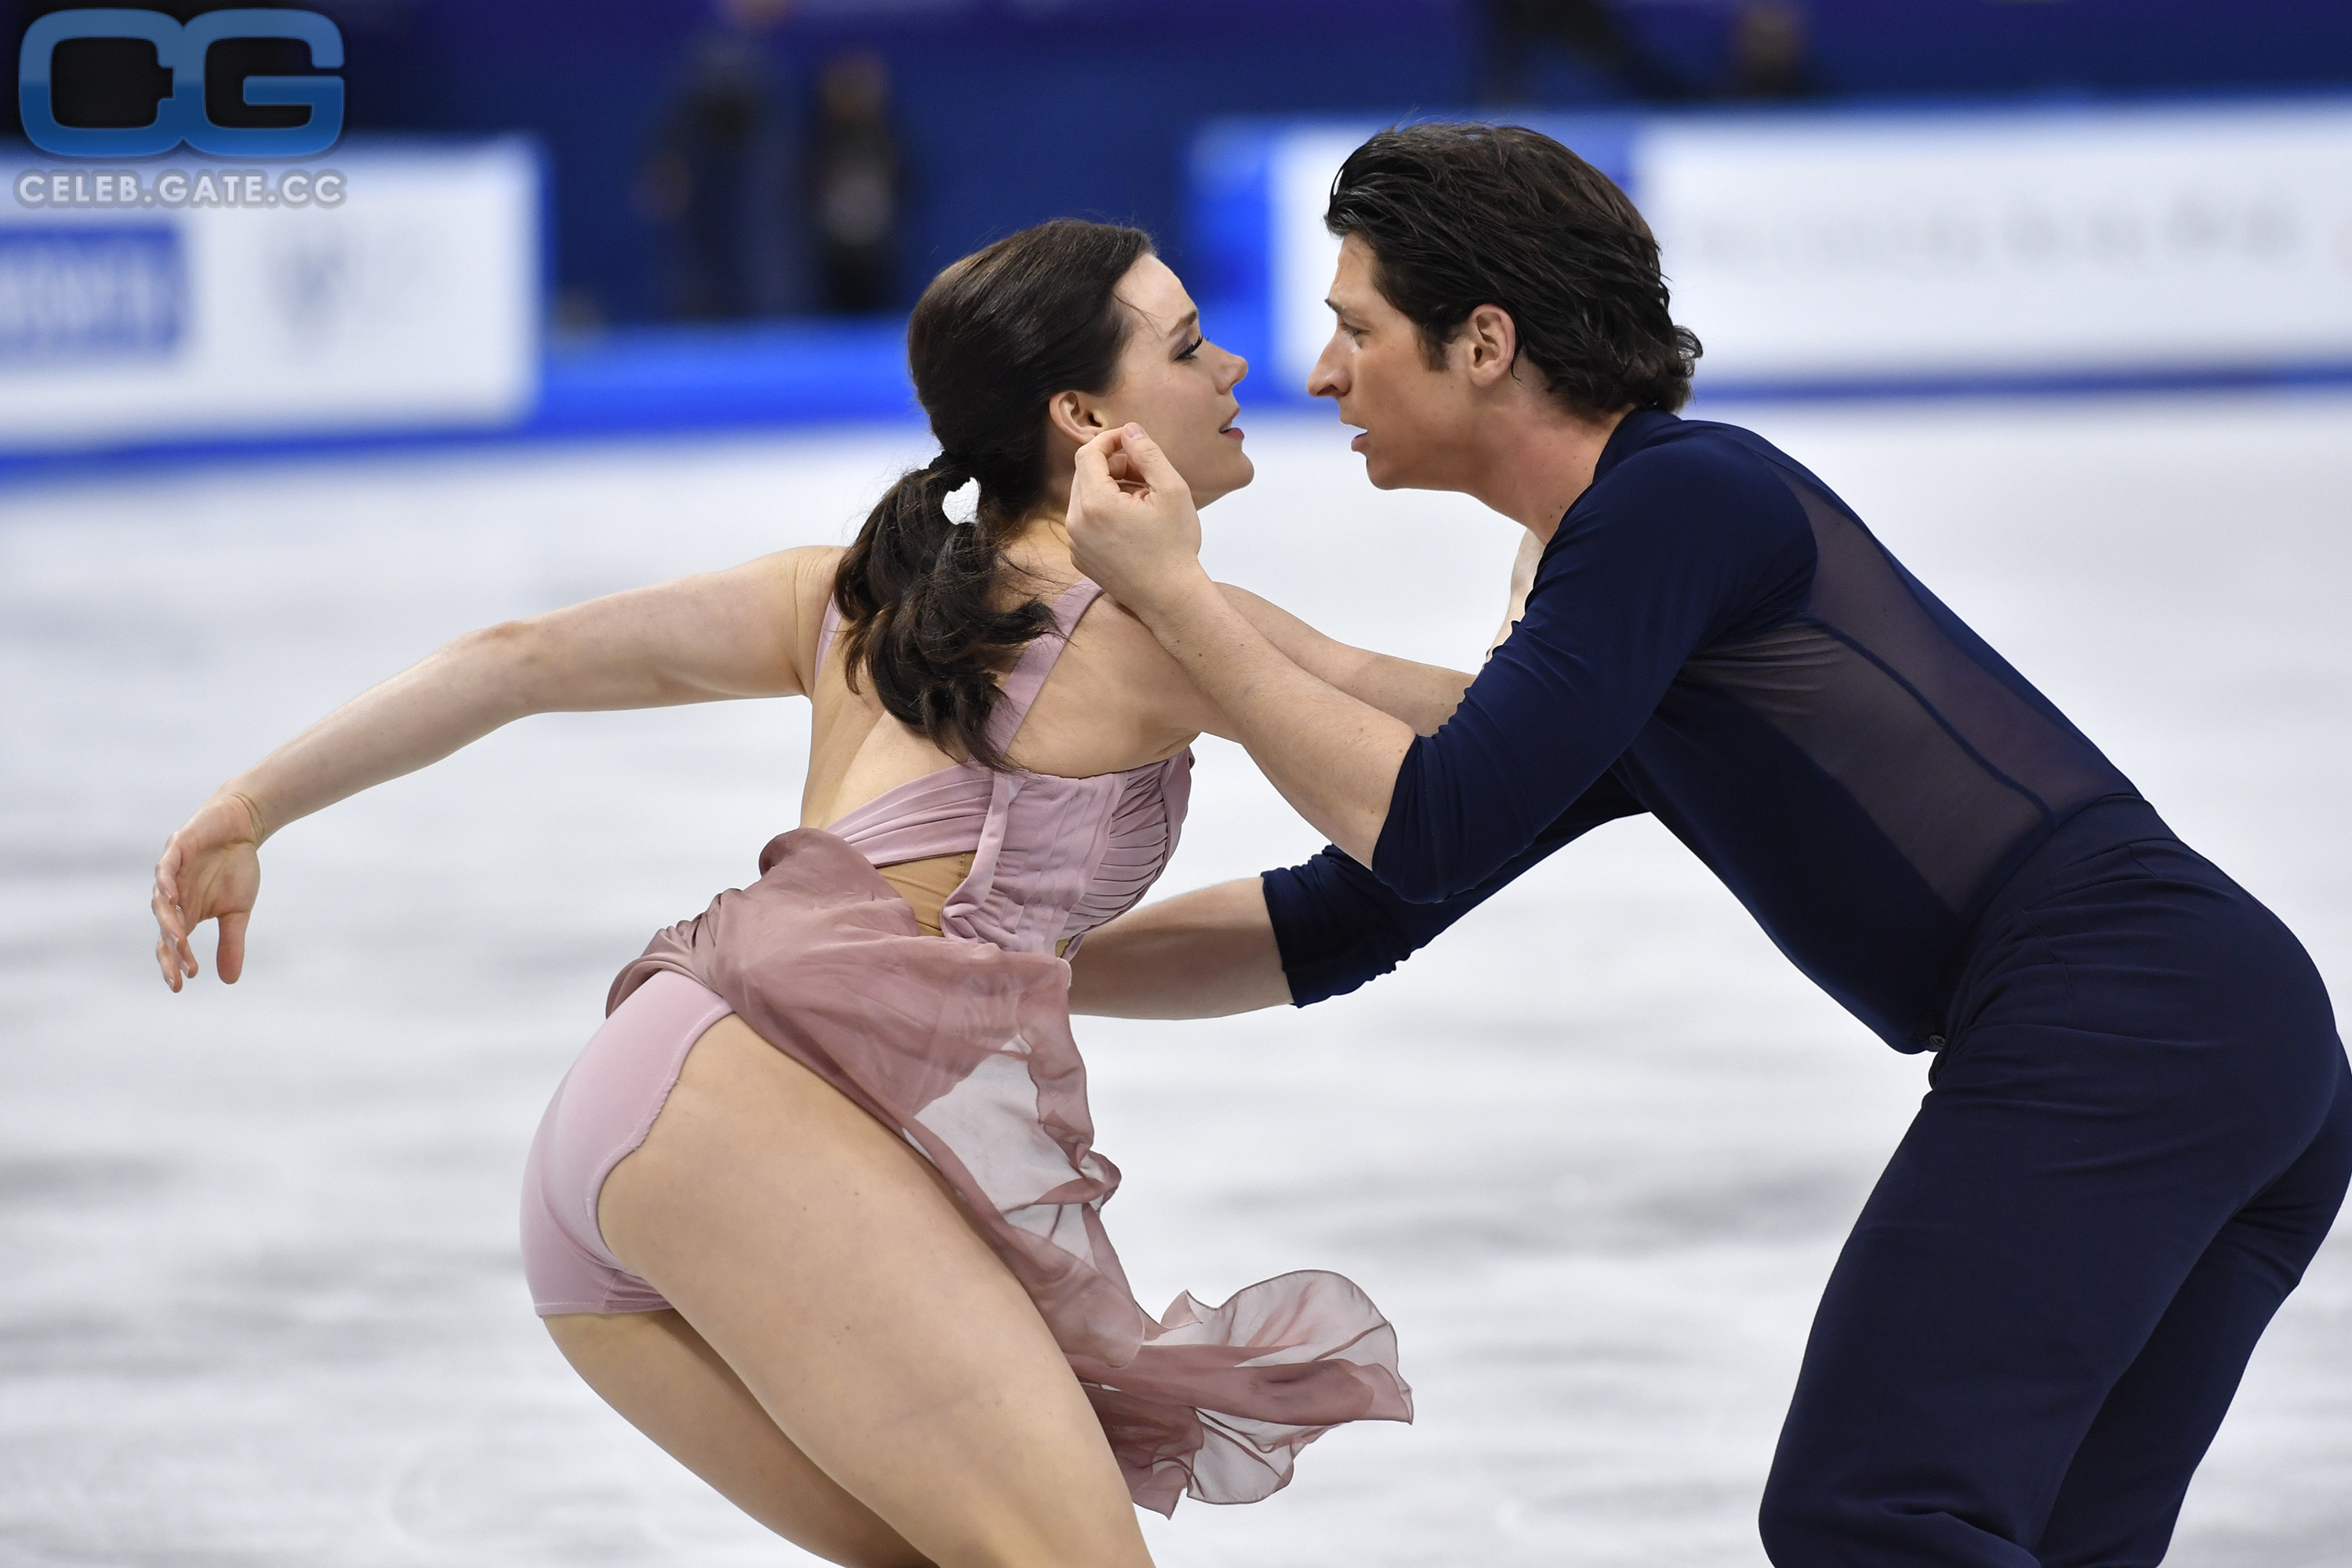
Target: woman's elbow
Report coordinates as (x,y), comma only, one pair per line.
(510,664)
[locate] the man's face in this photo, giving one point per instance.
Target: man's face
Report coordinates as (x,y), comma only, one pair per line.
(1415,420)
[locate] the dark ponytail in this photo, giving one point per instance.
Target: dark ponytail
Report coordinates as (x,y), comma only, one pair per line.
(992,339)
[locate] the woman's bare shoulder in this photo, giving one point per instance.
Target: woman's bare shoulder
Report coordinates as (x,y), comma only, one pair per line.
(1122,652)
(1118,655)
(813,568)
(807,574)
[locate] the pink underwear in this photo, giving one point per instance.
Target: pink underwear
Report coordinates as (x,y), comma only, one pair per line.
(602,1110)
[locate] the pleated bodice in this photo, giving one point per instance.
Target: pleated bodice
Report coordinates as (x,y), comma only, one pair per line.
(1052,857)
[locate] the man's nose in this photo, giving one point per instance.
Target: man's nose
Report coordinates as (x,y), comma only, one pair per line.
(1327,379)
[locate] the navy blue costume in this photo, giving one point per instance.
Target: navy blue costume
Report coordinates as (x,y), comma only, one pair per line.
(2138,1128)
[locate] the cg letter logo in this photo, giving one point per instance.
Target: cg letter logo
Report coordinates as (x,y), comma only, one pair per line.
(181,117)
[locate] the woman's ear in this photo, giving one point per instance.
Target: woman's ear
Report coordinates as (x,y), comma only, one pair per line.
(1074,415)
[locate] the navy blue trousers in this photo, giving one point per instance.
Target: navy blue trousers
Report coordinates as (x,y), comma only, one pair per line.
(2137,1136)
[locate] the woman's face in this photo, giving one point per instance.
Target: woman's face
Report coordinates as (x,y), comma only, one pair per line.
(1178,385)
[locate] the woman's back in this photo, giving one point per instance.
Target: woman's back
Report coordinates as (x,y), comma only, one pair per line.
(1115,700)
(1096,723)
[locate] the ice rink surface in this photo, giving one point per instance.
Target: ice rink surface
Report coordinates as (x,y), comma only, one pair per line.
(1593,1153)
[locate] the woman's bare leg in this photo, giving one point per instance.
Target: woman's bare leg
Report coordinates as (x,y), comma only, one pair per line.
(665,1379)
(820,1258)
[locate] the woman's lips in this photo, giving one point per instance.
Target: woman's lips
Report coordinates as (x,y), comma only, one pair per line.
(1358,444)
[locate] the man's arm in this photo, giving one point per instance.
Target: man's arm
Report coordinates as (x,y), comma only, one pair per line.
(1423,695)
(1204,954)
(1332,757)
(1673,549)
(1301,933)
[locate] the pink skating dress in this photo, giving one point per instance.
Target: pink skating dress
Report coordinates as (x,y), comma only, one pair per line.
(963,1046)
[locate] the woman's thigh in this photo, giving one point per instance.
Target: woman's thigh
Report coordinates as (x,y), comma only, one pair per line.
(821,1258)
(671,1385)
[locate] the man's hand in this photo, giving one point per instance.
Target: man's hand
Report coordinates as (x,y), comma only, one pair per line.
(1133,527)
(1134,530)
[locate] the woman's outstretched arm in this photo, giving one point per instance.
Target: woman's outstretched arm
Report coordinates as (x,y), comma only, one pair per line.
(747,632)
(1423,695)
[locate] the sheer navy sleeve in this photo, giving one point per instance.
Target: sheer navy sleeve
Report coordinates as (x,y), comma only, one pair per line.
(1338,927)
(1720,640)
(1685,542)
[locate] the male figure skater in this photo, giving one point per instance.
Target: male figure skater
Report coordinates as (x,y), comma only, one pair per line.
(2139,1127)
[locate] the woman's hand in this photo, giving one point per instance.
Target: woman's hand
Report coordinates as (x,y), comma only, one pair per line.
(210,871)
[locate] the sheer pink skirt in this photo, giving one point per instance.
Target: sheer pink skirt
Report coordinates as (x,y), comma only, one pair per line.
(965,1048)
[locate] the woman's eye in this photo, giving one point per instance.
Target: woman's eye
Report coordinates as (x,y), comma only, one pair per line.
(1194,349)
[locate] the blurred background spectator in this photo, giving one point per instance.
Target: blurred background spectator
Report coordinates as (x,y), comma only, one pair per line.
(718,181)
(751,158)
(1768,51)
(854,186)
(1582,34)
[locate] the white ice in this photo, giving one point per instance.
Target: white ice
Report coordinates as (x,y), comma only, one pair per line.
(1594,1152)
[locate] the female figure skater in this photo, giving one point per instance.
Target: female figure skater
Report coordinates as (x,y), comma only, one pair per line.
(817,1207)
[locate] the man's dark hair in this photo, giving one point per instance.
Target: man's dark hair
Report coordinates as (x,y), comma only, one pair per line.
(1463,215)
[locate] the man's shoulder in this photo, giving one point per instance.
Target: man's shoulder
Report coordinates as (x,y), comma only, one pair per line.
(1698,476)
(1699,455)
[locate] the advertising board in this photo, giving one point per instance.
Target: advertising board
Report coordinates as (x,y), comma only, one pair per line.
(189,298)
(1849,250)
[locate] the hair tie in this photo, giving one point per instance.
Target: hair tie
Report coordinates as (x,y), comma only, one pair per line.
(962,500)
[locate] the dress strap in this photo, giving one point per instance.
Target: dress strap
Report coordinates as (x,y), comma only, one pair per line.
(827,630)
(1037,660)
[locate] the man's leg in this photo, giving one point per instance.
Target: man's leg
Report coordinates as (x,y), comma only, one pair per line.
(2140,1071)
(1970,1331)
(2124,1489)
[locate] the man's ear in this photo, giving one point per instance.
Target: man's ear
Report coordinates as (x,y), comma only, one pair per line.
(1074,415)
(1489,344)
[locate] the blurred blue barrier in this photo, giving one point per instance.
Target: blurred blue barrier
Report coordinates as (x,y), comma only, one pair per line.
(1842,253)
(656,379)
(640,381)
